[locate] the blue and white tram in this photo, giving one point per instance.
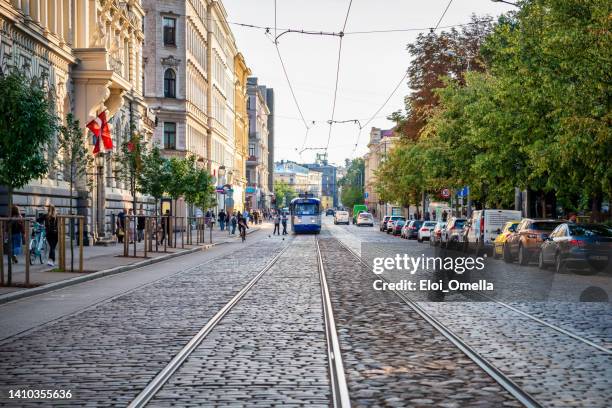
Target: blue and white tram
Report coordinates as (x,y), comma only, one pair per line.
(305,215)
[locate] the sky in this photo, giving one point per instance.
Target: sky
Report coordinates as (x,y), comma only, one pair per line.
(371,64)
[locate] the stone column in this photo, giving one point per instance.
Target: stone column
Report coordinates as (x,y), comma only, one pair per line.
(82,29)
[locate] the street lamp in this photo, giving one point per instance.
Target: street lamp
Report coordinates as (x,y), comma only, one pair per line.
(99,180)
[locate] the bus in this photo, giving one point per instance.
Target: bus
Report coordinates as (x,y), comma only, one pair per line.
(305,215)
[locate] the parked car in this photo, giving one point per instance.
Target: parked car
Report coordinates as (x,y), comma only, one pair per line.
(393,218)
(498,244)
(437,233)
(524,244)
(483,228)
(426,230)
(397,227)
(329,211)
(452,235)
(411,229)
(583,247)
(341,217)
(364,218)
(383,223)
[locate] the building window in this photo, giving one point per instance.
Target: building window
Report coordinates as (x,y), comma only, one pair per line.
(251,150)
(169,135)
(169,84)
(169,25)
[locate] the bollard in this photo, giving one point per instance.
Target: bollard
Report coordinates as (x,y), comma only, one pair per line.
(126,251)
(62,243)
(27,252)
(1,253)
(183,232)
(81,223)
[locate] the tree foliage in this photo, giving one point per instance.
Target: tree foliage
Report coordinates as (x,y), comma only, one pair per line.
(284,193)
(27,126)
(353,183)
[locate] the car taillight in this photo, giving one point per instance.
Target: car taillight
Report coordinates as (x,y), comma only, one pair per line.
(482,225)
(577,243)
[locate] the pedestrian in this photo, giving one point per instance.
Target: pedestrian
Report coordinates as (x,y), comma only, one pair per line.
(426,216)
(222,217)
(17,232)
(141,224)
(234,222)
(165,226)
(120,226)
(573,218)
(277,220)
(284,222)
(50,222)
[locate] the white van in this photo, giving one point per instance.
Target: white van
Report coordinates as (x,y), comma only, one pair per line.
(341,217)
(484,226)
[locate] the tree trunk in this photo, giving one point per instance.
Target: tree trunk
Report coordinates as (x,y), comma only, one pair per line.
(9,269)
(596,207)
(71,229)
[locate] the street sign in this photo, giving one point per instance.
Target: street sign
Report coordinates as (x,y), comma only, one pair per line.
(366,194)
(464,192)
(446,193)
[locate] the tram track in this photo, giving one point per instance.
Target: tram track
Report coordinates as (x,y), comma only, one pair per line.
(337,382)
(497,375)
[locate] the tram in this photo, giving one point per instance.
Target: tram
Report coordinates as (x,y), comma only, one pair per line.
(305,215)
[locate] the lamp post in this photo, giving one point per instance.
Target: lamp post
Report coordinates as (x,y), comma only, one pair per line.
(221,180)
(99,191)
(506,2)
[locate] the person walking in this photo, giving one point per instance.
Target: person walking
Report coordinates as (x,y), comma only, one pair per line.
(277,221)
(17,233)
(120,232)
(50,223)
(141,224)
(130,225)
(234,222)
(222,217)
(284,222)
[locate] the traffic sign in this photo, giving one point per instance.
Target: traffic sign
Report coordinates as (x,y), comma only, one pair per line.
(446,193)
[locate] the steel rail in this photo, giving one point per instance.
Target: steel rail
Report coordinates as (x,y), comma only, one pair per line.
(164,375)
(514,389)
(545,323)
(340,393)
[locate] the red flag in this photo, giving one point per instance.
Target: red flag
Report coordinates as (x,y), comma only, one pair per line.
(95,128)
(106,133)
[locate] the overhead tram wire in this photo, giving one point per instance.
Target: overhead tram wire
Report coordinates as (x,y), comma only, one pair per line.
(348,11)
(437,26)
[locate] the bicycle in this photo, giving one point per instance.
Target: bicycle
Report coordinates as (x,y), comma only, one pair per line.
(39,248)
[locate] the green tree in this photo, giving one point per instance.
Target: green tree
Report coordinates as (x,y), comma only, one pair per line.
(284,193)
(353,183)
(27,127)
(199,189)
(74,160)
(154,176)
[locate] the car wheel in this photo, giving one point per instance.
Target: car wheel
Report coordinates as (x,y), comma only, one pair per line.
(541,263)
(495,254)
(507,254)
(523,256)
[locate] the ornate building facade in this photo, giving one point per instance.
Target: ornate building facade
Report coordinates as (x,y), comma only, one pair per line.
(241,131)
(189,64)
(89,54)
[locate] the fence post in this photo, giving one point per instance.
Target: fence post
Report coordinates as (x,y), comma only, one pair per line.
(126,223)
(2,253)
(62,243)
(183,232)
(27,252)
(81,223)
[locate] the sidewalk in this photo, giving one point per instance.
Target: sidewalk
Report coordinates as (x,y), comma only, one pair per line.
(107,258)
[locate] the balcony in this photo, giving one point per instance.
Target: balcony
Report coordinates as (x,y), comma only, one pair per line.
(253,161)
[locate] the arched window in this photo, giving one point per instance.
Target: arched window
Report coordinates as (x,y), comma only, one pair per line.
(169,84)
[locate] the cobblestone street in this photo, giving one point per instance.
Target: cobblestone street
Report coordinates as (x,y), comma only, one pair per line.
(266,344)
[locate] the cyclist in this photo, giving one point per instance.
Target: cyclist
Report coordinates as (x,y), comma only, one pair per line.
(242,227)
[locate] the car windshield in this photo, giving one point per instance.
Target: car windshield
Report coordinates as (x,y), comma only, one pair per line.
(341,213)
(544,226)
(417,223)
(459,223)
(395,218)
(590,231)
(429,224)
(306,209)
(399,223)
(365,215)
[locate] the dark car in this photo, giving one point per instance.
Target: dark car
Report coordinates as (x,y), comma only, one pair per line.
(524,244)
(383,223)
(397,227)
(329,211)
(411,231)
(577,246)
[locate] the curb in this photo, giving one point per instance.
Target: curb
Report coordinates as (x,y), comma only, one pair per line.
(9,297)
